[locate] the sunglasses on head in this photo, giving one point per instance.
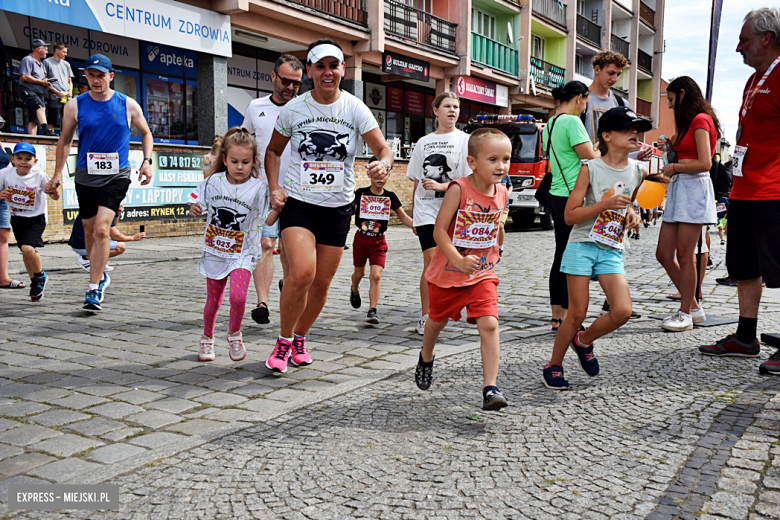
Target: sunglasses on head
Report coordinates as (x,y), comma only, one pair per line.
(296,83)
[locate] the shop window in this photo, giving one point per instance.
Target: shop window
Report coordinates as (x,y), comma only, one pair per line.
(192,113)
(165,108)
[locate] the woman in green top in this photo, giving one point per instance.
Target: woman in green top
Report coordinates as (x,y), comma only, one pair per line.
(570,143)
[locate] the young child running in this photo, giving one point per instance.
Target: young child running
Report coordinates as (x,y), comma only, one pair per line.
(372,214)
(23,188)
(462,272)
(600,208)
(235,201)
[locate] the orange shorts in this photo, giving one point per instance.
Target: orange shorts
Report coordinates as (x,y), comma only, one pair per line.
(480,300)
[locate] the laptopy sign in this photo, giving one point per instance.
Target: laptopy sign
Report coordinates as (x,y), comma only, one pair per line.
(162,21)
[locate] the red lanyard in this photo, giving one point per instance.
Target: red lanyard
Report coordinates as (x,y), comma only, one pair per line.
(749,98)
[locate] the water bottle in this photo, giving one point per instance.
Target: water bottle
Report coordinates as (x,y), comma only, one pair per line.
(665,150)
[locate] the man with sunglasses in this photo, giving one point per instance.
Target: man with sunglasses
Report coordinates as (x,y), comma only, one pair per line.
(261,115)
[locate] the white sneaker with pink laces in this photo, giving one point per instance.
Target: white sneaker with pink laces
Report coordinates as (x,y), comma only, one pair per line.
(206,349)
(237,348)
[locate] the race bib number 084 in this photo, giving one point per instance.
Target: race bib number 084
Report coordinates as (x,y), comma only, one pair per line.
(322,177)
(374,208)
(474,230)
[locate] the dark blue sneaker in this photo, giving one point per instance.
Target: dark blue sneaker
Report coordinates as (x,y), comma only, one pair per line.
(493,399)
(104,282)
(37,286)
(588,361)
(552,377)
(92,301)
(423,375)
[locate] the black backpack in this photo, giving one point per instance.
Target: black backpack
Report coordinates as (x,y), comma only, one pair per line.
(721,180)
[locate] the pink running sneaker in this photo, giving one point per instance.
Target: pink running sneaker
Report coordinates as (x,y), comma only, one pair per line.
(300,356)
(277,361)
(237,348)
(206,349)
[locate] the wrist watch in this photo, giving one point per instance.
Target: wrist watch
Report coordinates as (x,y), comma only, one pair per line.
(147,159)
(388,166)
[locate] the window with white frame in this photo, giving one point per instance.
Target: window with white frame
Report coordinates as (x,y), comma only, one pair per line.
(483,23)
(537,48)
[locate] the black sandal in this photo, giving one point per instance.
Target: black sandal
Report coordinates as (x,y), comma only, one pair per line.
(559,322)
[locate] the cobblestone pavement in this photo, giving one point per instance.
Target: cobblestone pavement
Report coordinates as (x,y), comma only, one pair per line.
(121,398)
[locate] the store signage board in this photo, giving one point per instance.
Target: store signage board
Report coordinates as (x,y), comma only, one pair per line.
(415,103)
(400,65)
(162,21)
(395,99)
(480,90)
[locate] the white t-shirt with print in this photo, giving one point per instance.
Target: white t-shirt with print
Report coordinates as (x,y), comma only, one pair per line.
(323,141)
(442,158)
(260,119)
(234,223)
(26,197)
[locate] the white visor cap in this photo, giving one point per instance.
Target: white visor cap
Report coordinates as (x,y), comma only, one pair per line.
(323,51)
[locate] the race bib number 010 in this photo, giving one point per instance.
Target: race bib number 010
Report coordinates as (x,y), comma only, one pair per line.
(475,230)
(374,208)
(322,177)
(103,163)
(608,229)
(223,242)
(21,199)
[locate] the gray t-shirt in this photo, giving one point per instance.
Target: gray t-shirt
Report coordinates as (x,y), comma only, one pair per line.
(32,67)
(596,108)
(58,73)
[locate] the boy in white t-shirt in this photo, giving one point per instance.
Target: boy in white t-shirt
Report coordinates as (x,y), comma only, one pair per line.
(23,188)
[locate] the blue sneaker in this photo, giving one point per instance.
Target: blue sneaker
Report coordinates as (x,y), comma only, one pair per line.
(37,286)
(104,282)
(588,361)
(552,377)
(92,301)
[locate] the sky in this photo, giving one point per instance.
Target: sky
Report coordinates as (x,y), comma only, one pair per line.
(687,34)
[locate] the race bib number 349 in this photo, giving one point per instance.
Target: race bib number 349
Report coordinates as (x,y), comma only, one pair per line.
(103,163)
(374,208)
(223,242)
(322,177)
(476,230)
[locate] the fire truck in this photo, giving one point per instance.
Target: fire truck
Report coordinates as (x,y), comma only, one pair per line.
(528,164)
(527,168)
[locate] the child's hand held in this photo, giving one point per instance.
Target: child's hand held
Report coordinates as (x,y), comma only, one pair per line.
(467,264)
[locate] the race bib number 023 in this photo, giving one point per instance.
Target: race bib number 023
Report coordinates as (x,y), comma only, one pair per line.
(103,163)
(608,229)
(21,199)
(374,208)
(475,230)
(223,242)
(322,177)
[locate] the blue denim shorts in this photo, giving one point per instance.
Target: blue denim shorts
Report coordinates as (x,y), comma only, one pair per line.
(83,252)
(271,231)
(5,216)
(588,259)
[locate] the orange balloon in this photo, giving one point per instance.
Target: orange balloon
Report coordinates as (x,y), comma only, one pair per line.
(651,194)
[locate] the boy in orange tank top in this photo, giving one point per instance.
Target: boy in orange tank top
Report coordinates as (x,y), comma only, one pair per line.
(462,272)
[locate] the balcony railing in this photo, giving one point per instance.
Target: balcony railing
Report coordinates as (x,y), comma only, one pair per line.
(410,23)
(551,9)
(647,14)
(620,45)
(352,10)
(644,108)
(494,54)
(588,31)
(644,62)
(547,74)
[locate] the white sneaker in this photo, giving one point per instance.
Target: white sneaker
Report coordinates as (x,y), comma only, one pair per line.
(83,262)
(237,348)
(677,322)
(420,328)
(698,316)
(206,349)
(109,268)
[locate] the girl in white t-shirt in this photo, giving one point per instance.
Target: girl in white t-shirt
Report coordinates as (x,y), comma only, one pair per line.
(235,201)
(438,159)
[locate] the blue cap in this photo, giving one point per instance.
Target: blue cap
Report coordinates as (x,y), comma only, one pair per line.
(24,147)
(98,62)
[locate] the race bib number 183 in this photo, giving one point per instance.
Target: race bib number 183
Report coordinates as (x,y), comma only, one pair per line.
(103,163)
(476,230)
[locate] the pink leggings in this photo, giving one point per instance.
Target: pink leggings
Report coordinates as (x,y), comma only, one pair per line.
(215,292)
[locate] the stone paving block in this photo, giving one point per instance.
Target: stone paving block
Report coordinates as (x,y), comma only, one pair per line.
(66,445)
(121,434)
(154,419)
(47,394)
(58,418)
(312,385)
(232,415)
(381,364)
(115,453)
(22,409)
(252,390)
(27,434)
(137,396)
(223,385)
(155,440)
(196,426)
(172,405)
(221,399)
(23,463)
(78,401)
(73,382)
(154,385)
(103,389)
(185,391)
(95,427)
(65,469)
(115,410)
(7,451)
(286,394)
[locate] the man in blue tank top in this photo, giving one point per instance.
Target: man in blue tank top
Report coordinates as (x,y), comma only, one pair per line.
(103,117)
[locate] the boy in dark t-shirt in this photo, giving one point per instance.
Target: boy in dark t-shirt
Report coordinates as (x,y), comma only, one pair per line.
(373,205)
